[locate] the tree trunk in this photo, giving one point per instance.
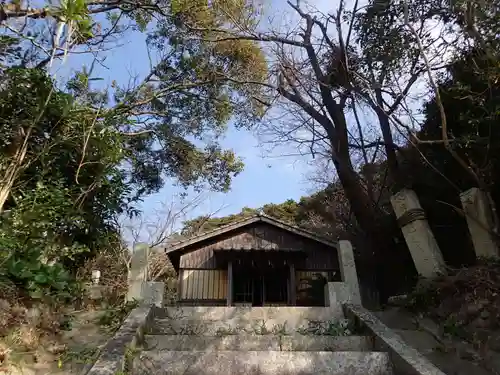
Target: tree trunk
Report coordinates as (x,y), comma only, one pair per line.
(12,171)
(377,254)
(358,198)
(390,150)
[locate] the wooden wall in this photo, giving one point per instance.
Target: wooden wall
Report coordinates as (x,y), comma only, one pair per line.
(203,284)
(204,277)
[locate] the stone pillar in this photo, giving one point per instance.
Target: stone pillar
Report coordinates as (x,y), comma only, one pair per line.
(138,272)
(95,290)
(338,293)
(480,222)
(152,293)
(417,233)
(348,270)
(96,276)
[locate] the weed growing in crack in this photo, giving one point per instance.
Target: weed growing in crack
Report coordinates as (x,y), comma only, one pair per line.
(326,328)
(226,331)
(260,328)
(280,329)
(83,356)
(192,329)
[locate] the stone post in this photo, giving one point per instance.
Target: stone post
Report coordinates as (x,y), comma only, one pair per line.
(480,222)
(95,290)
(153,293)
(417,233)
(348,270)
(96,276)
(138,272)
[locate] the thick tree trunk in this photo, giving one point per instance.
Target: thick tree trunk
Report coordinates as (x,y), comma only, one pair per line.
(377,256)
(12,171)
(357,196)
(390,150)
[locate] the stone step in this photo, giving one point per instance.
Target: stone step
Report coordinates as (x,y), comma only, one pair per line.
(291,313)
(262,363)
(259,343)
(236,326)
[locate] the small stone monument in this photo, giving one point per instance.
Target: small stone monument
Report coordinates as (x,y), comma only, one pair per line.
(95,290)
(96,275)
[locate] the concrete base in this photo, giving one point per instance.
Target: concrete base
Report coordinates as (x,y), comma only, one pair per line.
(261,363)
(338,293)
(259,343)
(146,293)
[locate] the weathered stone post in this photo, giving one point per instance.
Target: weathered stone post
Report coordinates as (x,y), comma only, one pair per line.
(138,272)
(348,270)
(96,275)
(480,222)
(346,291)
(139,288)
(95,290)
(417,233)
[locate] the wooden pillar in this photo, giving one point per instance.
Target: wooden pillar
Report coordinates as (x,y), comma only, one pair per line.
(230,283)
(292,286)
(179,285)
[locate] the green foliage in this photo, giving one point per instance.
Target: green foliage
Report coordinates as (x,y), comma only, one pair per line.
(113,317)
(48,283)
(328,328)
(10,50)
(74,158)
(205,224)
(469,93)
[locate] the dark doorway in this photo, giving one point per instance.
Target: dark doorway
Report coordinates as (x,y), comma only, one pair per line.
(258,290)
(260,287)
(275,286)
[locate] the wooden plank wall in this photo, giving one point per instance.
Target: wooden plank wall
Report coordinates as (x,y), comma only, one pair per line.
(202,258)
(204,284)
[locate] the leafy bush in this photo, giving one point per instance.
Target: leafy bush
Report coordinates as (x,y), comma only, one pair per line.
(41,281)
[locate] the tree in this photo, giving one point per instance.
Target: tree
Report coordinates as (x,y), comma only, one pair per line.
(191,92)
(62,206)
(319,75)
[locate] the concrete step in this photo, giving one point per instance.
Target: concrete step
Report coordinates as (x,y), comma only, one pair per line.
(238,326)
(261,363)
(214,321)
(258,343)
(290,313)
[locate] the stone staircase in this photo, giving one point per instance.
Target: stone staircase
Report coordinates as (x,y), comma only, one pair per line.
(258,340)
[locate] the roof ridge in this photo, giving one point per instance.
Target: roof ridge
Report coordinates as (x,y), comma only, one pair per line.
(213,230)
(236,223)
(297,227)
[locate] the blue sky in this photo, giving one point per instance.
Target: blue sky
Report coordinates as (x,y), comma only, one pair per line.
(265,179)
